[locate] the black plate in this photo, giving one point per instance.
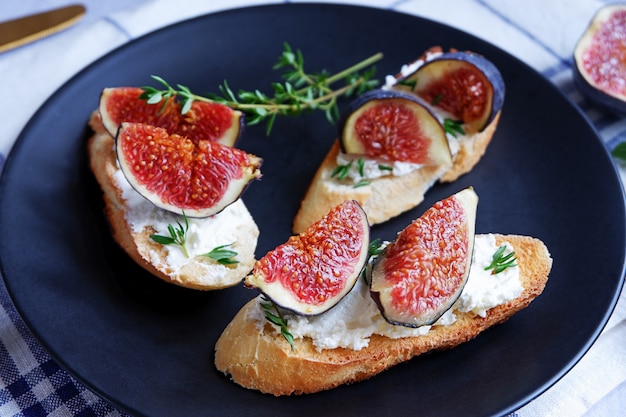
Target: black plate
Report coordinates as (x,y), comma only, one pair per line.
(148,346)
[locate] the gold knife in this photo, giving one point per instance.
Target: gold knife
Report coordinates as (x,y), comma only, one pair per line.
(21,31)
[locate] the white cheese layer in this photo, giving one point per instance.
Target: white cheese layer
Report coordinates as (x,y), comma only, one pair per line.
(203,235)
(410,68)
(373,168)
(356,317)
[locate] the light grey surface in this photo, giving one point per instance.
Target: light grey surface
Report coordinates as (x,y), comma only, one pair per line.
(11,9)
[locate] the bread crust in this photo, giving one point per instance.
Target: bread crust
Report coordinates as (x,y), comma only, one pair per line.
(406,191)
(471,150)
(199,272)
(259,358)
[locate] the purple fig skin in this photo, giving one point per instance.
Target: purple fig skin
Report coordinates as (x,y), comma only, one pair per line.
(485,66)
(234,190)
(612,103)
(376,297)
(597,97)
(317,259)
(368,96)
(139,111)
(278,302)
(444,289)
(381,95)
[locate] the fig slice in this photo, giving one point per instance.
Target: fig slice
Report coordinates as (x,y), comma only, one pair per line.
(197,178)
(466,85)
(393,126)
(210,121)
(313,271)
(600,59)
(419,275)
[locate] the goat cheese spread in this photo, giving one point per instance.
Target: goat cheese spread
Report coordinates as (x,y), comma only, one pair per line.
(355,318)
(202,236)
(373,168)
(410,68)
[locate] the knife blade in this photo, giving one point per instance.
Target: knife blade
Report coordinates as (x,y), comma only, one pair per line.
(18,32)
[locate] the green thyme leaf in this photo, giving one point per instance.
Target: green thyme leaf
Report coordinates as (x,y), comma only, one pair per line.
(375,247)
(163,240)
(222,255)
(300,90)
(341,171)
(178,236)
(274,316)
(453,127)
(186,106)
(153,96)
(500,261)
(360,166)
(385,167)
(361,183)
(436,99)
(619,151)
(408,83)
(288,336)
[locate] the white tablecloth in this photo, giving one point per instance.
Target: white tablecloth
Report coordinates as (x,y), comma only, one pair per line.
(542,33)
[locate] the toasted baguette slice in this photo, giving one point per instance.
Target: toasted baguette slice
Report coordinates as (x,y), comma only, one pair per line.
(255,356)
(388,196)
(197,272)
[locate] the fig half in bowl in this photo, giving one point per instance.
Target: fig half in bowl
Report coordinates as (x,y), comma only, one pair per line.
(600,59)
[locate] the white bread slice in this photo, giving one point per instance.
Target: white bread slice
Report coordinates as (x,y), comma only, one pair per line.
(388,196)
(198,272)
(255,356)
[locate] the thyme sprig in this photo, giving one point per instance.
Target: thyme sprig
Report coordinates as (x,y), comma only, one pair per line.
(342,171)
(178,236)
(453,127)
(300,91)
(222,255)
(375,249)
(500,261)
(619,152)
(274,316)
(411,83)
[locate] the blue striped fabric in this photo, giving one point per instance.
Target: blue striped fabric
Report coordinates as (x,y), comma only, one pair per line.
(31,383)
